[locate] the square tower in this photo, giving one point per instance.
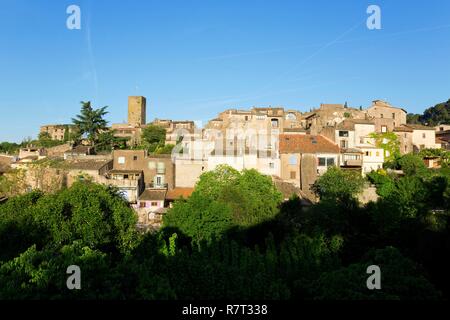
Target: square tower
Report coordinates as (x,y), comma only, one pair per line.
(136,111)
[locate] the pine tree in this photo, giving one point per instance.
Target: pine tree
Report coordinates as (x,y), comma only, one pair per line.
(90,122)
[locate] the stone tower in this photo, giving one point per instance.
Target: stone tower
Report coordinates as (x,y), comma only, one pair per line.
(136,110)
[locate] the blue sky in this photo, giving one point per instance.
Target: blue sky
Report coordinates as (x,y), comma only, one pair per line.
(193,59)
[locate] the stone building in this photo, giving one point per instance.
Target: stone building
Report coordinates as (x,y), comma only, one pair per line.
(137,111)
(132,130)
(385,116)
(415,137)
(305,157)
(329,115)
(158,170)
(58,132)
(358,150)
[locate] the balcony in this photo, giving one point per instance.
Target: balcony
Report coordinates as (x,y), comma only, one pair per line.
(353,163)
(153,185)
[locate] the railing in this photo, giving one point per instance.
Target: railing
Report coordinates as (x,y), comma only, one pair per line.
(353,162)
(153,185)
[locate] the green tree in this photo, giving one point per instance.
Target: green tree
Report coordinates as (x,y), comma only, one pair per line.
(225,198)
(165,149)
(90,122)
(153,136)
(107,141)
(338,184)
(401,279)
(440,113)
(412,164)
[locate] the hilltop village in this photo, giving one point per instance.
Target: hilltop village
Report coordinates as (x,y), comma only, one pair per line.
(292,147)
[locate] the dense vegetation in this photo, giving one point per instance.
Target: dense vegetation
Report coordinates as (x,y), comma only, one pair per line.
(234,238)
(433,116)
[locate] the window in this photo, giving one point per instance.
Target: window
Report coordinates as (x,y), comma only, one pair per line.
(125,176)
(343,133)
(271,165)
(274,123)
(361,140)
(134,158)
(325,162)
(424,135)
(154,204)
(121,160)
(378,153)
(293,175)
(393,115)
(383,129)
(382,116)
(246,118)
(142,204)
(343,144)
(406,148)
(292,160)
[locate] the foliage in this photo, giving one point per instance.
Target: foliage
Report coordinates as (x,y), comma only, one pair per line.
(107,141)
(13,183)
(9,147)
(384,182)
(402,279)
(232,240)
(440,113)
(433,116)
(165,149)
(90,122)
(444,155)
(412,118)
(153,136)
(412,164)
(336,183)
(389,142)
(225,198)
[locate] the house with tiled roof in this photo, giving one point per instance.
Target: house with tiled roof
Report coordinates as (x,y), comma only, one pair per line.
(358,150)
(415,137)
(305,157)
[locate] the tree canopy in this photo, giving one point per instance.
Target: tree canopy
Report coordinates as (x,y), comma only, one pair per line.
(225,198)
(90,122)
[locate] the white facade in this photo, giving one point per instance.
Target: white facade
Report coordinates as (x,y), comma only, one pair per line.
(372,159)
(424,139)
(325,160)
(265,165)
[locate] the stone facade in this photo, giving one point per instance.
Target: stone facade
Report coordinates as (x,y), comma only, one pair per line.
(158,170)
(137,111)
(58,132)
(385,116)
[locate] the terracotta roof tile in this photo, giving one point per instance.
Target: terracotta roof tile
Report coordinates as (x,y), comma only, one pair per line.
(177,193)
(153,194)
(295,143)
